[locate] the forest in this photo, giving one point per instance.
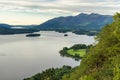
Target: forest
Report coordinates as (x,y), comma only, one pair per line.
(52,74)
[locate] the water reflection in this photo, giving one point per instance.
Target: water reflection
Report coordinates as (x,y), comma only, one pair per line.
(22,56)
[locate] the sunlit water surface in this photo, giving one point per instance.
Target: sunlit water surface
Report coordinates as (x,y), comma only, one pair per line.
(22,57)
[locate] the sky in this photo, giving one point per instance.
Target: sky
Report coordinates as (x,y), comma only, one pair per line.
(29,12)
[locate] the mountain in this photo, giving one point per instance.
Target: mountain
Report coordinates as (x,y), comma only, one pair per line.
(82,21)
(9,29)
(89,24)
(5,26)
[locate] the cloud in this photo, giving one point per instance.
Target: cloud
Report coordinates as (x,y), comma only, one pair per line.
(61,6)
(38,11)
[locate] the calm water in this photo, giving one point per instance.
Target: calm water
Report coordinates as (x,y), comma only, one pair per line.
(21,56)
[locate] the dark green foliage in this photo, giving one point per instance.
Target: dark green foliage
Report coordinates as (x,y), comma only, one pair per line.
(33,35)
(103,60)
(64,51)
(52,74)
(78,46)
(65,34)
(86,32)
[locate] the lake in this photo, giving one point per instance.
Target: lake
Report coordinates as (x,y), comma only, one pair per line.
(22,57)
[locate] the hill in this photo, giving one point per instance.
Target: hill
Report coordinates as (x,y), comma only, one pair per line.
(5,26)
(6,29)
(89,24)
(82,22)
(103,60)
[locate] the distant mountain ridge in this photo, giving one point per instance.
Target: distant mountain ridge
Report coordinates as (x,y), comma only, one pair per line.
(89,24)
(6,29)
(5,26)
(82,21)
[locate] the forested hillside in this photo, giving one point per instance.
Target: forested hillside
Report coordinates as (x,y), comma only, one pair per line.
(103,61)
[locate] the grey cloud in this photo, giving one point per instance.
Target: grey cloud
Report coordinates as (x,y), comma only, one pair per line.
(61,6)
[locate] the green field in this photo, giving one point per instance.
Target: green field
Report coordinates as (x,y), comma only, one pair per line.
(81,52)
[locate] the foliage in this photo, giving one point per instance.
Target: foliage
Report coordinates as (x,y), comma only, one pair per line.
(76,52)
(86,78)
(51,74)
(103,61)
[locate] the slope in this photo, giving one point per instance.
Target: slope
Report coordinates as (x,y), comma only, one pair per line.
(103,61)
(82,21)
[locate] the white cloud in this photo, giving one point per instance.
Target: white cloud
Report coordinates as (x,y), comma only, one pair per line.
(53,8)
(61,6)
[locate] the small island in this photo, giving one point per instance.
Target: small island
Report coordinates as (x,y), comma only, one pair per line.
(76,52)
(33,35)
(65,34)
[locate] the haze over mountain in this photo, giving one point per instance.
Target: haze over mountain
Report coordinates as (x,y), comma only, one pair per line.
(80,24)
(27,12)
(82,21)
